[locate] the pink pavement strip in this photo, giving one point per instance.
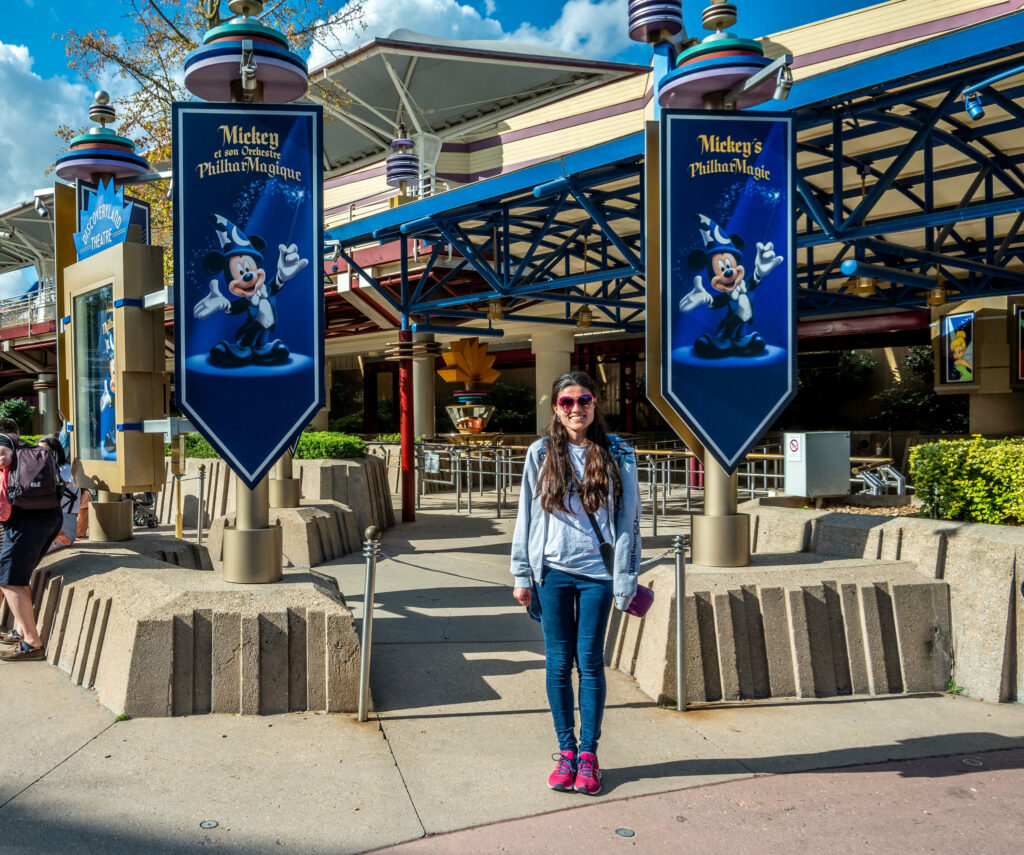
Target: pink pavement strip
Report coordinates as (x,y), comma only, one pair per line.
(964,803)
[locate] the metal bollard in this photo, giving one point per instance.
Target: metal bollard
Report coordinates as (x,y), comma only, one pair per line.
(199,517)
(371,550)
(679,546)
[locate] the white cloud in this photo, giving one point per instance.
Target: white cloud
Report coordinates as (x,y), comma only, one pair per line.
(594,28)
(598,30)
(32,108)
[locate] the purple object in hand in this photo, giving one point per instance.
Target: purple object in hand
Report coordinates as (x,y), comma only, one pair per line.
(641,601)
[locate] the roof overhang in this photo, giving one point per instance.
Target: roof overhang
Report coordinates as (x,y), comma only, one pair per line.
(448,89)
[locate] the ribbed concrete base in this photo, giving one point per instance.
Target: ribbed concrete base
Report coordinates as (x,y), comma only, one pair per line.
(312,534)
(791,631)
(154,639)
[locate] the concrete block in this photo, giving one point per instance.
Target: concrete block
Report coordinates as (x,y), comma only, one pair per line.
(924,542)
(783,530)
(981,568)
(760,687)
(846,535)
(777,642)
(801,644)
(296,659)
(696,688)
(820,641)
(316,660)
(921,614)
(73,630)
(837,639)
(342,663)
(184,663)
(93,663)
(730,666)
(202,660)
(226,671)
(705,621)
(48,608)
(250,665)
(274,654)
(854,630)
(85,642)
(632,631)
(654,667)
(884,674)
(150,683)
(36,584)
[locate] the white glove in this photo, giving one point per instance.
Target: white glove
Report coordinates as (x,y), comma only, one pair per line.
(212,302)
(697,297)
(766,260)
(288,262)
(106,399)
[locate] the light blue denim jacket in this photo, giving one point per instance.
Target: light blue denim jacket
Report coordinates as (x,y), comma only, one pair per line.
(532,525)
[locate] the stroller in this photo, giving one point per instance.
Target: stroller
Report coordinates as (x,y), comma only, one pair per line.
(142,510)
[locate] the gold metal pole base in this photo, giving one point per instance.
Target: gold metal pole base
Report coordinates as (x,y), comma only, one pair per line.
(284,492)
(110,522)
(252,557)
(721,541)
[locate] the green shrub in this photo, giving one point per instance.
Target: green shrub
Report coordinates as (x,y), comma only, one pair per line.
(973,480)
(324,445)
(19,410)
(313,445)
(396,437)
(352,423)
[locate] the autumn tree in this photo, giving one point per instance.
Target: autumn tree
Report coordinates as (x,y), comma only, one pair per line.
(149,54)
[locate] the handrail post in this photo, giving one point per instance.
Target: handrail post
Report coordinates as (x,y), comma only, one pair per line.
(199,519)
(371,549)
(679,546)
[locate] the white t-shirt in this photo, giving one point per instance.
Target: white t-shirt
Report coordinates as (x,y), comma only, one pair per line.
(571,545)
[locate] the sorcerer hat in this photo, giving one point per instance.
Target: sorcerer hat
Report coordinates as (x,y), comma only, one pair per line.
(233,240)
(715,240)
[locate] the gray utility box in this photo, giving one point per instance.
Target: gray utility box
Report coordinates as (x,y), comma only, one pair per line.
(817,464)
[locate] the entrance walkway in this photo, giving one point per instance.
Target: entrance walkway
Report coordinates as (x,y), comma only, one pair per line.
(461,738)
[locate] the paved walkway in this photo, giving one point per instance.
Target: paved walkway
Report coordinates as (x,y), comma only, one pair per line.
(457,753)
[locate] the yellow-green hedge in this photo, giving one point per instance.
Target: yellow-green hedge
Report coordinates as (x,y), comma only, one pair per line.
(313,445)
(974,480)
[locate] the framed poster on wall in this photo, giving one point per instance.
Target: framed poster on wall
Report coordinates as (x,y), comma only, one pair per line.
(956,349)
(1016,342)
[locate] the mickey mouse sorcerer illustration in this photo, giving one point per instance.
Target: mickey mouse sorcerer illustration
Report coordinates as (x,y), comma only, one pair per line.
(723,257)
(240,261)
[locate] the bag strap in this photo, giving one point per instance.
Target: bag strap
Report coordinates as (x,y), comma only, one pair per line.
(590,516)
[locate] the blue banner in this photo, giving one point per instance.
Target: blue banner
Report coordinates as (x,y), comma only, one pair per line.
(728,310)
(248,244)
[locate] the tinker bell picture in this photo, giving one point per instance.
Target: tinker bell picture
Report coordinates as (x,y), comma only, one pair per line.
(958,348)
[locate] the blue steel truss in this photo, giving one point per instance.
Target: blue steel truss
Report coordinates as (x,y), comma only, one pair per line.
(571,230)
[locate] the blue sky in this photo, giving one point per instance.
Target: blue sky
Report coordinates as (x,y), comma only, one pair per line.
(38,92)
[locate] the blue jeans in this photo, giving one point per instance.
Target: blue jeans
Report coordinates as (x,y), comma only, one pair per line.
(574,616)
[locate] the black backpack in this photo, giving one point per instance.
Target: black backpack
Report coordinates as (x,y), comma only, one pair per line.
(33,483)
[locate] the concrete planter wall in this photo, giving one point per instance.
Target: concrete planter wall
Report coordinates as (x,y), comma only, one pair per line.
(920,600)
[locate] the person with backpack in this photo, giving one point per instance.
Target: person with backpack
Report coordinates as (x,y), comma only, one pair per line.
(575,551)
(30,493)
(74,498)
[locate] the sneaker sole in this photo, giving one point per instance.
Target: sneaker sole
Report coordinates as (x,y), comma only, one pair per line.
(559,788)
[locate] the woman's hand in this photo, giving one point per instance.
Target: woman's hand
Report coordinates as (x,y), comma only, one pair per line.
(523,596)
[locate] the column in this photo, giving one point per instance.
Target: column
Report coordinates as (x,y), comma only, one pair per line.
(423,379)
(322,417)
(46,388)
(553,352)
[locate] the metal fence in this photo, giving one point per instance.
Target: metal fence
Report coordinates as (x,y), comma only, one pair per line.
(30,308)
(668,472)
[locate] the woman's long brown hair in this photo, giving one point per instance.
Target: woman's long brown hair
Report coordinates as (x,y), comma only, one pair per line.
(556,481)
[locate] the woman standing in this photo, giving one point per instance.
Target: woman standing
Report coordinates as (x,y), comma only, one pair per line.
(578,480)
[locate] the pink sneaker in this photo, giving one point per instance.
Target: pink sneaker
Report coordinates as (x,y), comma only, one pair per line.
(588,777)
(565,772)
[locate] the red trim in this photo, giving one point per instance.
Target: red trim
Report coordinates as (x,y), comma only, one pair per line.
(895,322)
